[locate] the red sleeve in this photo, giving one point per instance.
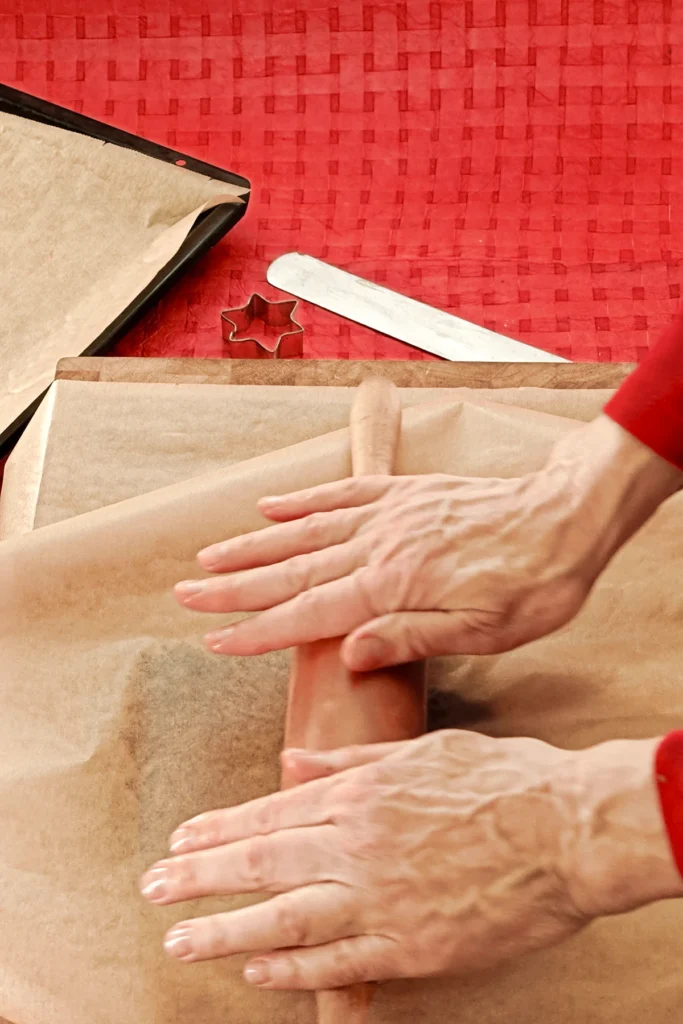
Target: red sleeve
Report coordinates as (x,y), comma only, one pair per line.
(669,779)
(649,404)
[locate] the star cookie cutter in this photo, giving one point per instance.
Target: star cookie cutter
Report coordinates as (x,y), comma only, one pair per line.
(286,335)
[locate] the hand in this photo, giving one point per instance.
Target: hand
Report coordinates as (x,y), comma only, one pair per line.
(449,853)
(425,565)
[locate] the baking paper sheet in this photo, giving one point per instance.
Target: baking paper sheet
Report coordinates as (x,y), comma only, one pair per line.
(117,725)
(138,437)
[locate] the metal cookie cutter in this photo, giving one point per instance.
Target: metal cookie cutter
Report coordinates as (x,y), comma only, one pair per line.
(282,337)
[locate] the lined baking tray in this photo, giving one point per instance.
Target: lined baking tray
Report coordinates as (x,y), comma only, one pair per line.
(209,228)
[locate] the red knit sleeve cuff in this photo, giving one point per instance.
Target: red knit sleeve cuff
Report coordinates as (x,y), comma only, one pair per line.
(669,778)
(649,404)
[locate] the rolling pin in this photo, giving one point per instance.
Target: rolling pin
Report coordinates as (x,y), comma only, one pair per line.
(328,705)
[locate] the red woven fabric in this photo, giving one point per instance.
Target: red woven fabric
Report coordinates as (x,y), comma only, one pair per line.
(517,163)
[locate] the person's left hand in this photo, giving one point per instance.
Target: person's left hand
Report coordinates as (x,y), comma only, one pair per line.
(444,854)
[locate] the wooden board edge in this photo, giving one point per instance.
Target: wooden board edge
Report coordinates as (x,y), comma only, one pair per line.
(342,373)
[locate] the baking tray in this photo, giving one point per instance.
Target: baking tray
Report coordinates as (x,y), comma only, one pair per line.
(209,228)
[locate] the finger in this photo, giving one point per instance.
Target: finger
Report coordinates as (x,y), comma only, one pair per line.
(348,493)
(332,609)
(336,965)
(408,636)
(276,543)
(271,585)
(273,863)
(310,916)
(306,765)
(303,807)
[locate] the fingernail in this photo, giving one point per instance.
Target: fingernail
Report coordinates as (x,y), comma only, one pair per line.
(181,841)
(154,885)
(269,502)
(216,640)
(188,588)
(257,972)
(178,942)
(369,652)
(211,556)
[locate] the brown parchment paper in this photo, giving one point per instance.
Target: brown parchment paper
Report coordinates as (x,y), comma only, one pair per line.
(116,725)
(135,438)
(84,227)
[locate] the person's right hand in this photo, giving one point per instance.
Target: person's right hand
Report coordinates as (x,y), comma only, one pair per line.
(425,565)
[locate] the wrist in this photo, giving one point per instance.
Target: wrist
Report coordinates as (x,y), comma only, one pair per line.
(618,483)
(620,856)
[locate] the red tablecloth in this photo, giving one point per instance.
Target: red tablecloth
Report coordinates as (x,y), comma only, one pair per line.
(517,163)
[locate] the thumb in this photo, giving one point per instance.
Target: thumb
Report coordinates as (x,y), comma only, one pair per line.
(306,765)
(408,636)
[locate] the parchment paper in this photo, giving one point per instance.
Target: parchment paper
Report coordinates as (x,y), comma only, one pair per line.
(135,438)
(116,725)
(84,227)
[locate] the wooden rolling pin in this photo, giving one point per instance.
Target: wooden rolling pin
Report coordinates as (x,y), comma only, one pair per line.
(331,707)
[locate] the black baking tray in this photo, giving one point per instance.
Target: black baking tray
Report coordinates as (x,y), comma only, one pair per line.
(209,228)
